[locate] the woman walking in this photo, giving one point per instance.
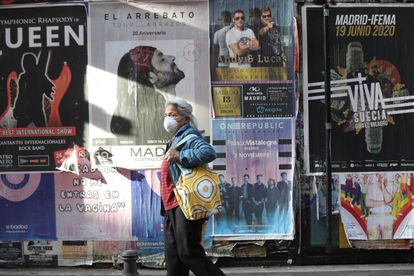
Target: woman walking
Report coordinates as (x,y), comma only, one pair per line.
(182,237)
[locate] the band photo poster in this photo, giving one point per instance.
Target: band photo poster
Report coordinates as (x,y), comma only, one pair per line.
(43,56)
(251,58)
(143,54)
(255,165)
(371,88)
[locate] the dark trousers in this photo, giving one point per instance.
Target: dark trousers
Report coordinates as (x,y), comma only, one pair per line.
(183,249)
(258,213)
(237,212)
(270,211)
(248,213)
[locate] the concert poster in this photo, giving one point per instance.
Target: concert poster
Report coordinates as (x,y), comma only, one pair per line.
(251,58)
(43,56)
(255,166)
(143,55)
(371,88)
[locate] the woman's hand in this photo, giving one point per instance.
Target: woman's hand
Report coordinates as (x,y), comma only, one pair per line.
(172,155)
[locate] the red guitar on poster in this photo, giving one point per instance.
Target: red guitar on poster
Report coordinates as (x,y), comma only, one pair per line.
(61,86)
(33,111)
(6,118)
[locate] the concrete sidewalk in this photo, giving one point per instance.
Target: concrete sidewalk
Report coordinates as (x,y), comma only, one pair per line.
(324,270)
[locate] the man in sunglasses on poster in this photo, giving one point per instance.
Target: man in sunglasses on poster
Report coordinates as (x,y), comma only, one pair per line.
(240,41)
(271,47)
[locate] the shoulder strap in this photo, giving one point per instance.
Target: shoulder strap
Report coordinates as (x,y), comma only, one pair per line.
(185,140)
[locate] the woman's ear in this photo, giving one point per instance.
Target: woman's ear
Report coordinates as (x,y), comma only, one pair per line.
(185,120)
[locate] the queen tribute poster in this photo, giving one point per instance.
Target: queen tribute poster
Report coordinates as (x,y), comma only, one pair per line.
(255,166)
(251,58)
(43,57)
(372,86)
(143,54)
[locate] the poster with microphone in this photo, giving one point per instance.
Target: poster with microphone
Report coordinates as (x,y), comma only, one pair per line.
(372,85)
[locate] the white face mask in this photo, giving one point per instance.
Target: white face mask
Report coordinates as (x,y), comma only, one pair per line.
(170,125)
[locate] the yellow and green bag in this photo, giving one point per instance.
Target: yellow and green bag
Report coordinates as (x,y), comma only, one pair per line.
(197,190)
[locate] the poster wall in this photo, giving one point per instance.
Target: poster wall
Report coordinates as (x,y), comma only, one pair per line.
(43,58)
(143,54)
(251,59)
(255,166)
(377,206)
(371,88)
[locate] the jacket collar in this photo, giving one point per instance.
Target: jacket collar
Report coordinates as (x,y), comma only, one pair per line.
(182,130)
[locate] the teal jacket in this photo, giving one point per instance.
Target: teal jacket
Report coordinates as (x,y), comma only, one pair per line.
(195,152)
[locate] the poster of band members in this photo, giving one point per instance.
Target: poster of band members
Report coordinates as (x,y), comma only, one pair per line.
(377,206)
(27,207)
(371,88)
(255,167)
(43,56)
(143,54)
(251,58)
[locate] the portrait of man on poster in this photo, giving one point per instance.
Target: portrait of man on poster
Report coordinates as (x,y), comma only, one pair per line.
(271,46)
(284,186)
(220,46)
(379,200)
(240,41)
(146,78)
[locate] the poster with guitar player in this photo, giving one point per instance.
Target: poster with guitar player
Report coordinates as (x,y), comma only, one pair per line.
(43,58)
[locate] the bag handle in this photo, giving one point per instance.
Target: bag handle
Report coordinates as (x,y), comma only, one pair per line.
(185,171)
(184,140)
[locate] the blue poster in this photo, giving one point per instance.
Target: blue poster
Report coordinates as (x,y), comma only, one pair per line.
(255,166)
(27,204)
(146,211)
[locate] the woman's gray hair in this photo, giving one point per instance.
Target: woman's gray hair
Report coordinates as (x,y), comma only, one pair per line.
(184,109)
